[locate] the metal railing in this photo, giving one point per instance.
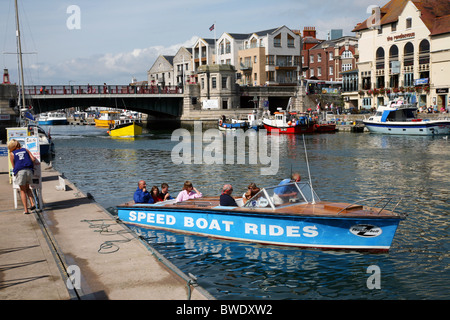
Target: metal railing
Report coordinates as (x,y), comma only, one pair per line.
(384,201)
(101,89)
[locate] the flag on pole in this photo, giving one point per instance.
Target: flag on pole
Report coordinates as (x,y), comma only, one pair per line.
(212,27)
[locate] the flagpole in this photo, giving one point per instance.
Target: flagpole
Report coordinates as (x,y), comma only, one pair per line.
(215,44)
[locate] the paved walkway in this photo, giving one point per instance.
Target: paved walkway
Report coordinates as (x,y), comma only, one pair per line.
(76,239)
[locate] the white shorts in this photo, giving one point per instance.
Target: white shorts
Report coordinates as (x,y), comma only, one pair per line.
(24,177)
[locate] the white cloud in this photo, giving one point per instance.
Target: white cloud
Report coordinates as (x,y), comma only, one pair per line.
(117,68)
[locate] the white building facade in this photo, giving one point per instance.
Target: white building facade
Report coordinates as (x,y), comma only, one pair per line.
(407,51)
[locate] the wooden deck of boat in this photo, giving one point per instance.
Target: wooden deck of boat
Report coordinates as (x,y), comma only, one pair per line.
(319,209)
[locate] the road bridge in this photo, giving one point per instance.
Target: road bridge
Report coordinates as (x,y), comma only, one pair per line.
(153,100)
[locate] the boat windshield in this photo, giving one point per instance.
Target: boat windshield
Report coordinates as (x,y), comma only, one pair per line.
(283,195)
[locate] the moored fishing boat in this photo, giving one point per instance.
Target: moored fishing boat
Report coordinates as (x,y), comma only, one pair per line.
(324,127)
(398,117)
(287,215)
(281,124)
(125,128)
(231,125)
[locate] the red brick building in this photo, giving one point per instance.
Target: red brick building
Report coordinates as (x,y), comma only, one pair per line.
(328,59)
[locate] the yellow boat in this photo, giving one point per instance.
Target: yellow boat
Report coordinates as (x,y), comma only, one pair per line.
(107,118)
(125,128)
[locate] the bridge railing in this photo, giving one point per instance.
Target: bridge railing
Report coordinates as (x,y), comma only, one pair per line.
(100,89)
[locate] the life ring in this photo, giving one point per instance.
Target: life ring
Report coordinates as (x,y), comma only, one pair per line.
(220,122)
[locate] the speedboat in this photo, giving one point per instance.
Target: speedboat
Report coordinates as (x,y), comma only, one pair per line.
(398,117)
(125,128)
(288,215)
(52,118)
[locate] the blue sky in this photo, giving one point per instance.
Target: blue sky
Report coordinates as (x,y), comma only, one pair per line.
(118,40)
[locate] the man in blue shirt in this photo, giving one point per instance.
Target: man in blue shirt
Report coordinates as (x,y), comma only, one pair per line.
(225,198)
(141,195)
(283,192)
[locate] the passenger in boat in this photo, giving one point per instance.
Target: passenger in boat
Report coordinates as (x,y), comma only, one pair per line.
(189,192)
(165,192)
(156,195)
(252,190)
(141,195)
(22,162)
(282,193)
(225,198)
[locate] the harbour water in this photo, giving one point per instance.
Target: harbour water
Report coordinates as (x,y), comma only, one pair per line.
(344,166)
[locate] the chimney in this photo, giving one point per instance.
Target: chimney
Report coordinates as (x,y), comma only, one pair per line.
(309,32)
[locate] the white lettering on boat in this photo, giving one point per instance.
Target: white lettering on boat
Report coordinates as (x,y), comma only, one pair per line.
(202,223)
(157,218)
(275,230)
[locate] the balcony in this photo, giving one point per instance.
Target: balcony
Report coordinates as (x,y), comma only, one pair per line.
(246,66)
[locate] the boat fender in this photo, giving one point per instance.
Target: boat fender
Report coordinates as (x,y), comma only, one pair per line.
(220,122)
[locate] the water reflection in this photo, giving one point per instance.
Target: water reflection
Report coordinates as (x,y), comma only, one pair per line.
(344,167)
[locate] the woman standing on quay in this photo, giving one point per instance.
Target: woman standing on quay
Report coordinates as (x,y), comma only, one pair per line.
(23,162)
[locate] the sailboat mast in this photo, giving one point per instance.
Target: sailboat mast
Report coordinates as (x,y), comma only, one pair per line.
(19,44)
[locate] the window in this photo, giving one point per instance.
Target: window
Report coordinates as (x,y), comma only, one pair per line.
(347,54)
(331,56)
(331,71)
(394,26)
(255,60)
(290,42)
(311,59)
(270,60)
(319,57)
(319,71)
(346,66)
(311,71)
(213,81)
(408,23)
(277,41)
(224,82)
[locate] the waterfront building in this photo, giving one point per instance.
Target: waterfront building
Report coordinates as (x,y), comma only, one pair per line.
(182,66)
(228,46)
(161,73)
(328,59)
(203,53)
(404,48)
(270,57)
(218,89)
(309,41)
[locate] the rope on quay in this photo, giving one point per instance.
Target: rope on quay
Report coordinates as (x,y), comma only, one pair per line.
(190,279)
(103,228)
